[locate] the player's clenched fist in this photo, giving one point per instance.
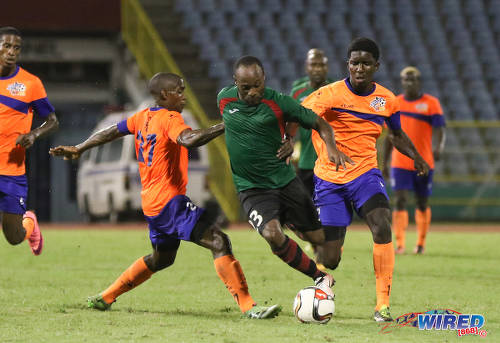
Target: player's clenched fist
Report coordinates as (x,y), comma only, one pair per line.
(68,152)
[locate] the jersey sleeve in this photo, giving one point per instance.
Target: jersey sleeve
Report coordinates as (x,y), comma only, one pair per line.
(39,102)
(295,112)
(437,114)
(394,120)
(319,101)
(127,126)
(175,126)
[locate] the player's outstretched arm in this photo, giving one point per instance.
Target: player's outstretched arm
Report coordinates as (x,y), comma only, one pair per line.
(100,137)
(47,127)
(193,138)
(326,133)
(405,146)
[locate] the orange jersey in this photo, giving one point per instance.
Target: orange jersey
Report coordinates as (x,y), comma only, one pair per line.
(418,117)
(357,121)
(163,163)
(20,94)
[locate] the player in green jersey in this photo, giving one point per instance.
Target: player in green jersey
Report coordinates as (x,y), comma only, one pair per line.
(316,68)
(268,189)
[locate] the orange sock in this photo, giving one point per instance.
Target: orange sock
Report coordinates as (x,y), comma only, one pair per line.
(132,277)
(400,223)
(383,263)
(229,270)
(423,221)
(29,226)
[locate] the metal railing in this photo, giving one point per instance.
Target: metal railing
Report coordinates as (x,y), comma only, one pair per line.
(152,56)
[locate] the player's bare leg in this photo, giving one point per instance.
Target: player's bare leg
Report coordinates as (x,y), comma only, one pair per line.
(422,221)
(17,228)
(400,220)
(229,270)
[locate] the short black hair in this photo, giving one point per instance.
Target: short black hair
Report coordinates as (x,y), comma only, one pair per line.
(9,30)
(247,61)
(364,44)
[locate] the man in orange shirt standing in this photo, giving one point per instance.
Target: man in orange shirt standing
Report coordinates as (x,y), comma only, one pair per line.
(357,109)
(161,139)
(421,116)
(21,95)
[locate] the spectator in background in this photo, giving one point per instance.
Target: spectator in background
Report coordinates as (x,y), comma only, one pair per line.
(21,95)
(421,116)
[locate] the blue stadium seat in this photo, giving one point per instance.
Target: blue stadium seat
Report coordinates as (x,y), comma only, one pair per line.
(205,5)
(239,20)
(184,6)
(230,6)
(272,6)
(216,19)
(192,20)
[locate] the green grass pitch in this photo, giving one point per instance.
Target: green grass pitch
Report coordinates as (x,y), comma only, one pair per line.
(43,299)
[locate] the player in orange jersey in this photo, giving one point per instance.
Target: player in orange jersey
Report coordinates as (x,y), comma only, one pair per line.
(357,108)
(161,139)
(21,95)
(421,116)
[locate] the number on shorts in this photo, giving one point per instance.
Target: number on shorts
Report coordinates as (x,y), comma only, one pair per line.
(255,219)
(191,206)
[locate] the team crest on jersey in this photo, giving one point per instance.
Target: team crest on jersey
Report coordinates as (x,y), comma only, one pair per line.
(378,104)
(422,107)
(17,89)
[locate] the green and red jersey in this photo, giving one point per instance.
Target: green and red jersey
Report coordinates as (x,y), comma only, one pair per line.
(254,135)
(301,88)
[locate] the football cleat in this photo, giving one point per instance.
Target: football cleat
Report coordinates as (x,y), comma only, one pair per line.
(419,250)
(35,240)
(400,251)
(98,303)
(325,283)
(263,312)
(383,314)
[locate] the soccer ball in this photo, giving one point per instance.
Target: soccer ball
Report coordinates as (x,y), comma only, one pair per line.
(313,305)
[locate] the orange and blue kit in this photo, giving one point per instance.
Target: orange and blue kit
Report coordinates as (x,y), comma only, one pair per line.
(163,166)
(21,94)
(418,118)
(357,121)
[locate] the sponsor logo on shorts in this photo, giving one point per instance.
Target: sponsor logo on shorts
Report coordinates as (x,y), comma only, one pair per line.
(21,201)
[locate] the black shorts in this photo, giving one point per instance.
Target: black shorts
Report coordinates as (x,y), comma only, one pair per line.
(291,205)
(307,178)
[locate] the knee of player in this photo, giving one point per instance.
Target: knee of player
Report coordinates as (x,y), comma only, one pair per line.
(272,232)
(14,239)
(332,262)
(220,241)
(400,203)
(157,264)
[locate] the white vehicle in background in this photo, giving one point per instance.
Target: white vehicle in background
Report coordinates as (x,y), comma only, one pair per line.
(108,181)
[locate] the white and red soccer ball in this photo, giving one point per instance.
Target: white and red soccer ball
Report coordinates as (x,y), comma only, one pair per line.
(313,305)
